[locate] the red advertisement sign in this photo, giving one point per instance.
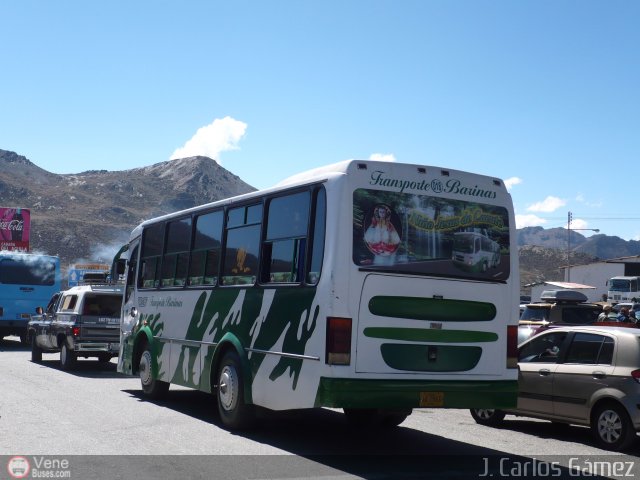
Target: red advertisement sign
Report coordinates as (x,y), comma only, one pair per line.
(15,224)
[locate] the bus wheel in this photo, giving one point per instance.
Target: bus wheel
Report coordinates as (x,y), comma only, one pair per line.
(36,351)
(234,412)
(67,357)
(393,418)
(152,387)
(487,416)
(375,418)
(362,417)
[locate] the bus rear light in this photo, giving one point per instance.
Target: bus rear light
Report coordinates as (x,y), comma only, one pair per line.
(338,347)
(75,331)
(636,375)
(512,346)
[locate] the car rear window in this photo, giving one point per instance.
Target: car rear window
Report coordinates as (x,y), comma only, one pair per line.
(533,313)
(102,305)
(588,348)
(579,315)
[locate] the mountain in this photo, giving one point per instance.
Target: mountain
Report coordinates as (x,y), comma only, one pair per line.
(600,246)
(87,216)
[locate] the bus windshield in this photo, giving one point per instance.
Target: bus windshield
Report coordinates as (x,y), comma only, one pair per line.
(619,285)
(426,235)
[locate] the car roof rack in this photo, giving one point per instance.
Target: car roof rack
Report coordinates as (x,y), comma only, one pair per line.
(569,296)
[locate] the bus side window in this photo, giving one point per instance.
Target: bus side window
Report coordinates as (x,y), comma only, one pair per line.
(283,251)
(242,245)
(316,253)
(152,243)
(175,261)
(205,254)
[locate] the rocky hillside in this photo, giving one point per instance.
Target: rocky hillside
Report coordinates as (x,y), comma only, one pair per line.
(539,264)
(599,246)
(88,215)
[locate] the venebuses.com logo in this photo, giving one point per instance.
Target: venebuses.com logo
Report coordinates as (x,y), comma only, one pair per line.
(18,467)
(38,467)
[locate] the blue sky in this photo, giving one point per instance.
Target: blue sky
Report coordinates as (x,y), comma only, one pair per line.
(544,94)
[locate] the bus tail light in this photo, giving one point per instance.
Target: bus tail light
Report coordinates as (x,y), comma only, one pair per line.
(636,375)
(338,347)
(75,331)
(512,346)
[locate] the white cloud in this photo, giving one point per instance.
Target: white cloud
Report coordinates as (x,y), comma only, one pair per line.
(577,223)
(549,204)
(529,221)
(382,157)
(510,182)
(222,135)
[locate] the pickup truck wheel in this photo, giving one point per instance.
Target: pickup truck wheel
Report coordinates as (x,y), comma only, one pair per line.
(67,357)
(234,413)
(151,386)
(104,358)
(36,351)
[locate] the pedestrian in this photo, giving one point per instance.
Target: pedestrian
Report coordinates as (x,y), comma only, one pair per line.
(632,316)
(604,315)
(623,316)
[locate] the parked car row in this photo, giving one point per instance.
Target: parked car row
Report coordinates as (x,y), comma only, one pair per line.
(581,375)
(82,321)
(560,307)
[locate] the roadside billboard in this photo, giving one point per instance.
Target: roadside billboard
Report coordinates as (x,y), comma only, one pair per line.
(15,226)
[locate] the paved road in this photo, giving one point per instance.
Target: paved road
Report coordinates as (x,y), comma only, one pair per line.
(97,420)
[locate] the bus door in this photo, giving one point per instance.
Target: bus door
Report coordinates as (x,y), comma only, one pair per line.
(129,312)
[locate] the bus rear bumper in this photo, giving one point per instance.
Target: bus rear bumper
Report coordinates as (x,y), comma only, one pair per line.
(350,393)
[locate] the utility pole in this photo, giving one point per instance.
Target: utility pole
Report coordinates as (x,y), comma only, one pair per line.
(569,218)
(569,247)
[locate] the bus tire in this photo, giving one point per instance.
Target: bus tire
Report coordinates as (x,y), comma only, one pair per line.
(361,417)
(234,413)
(393,418)
(487,416)
(36,351)
(151,387)
(67,357)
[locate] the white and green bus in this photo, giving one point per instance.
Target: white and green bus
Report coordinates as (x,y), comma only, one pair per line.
(336,288)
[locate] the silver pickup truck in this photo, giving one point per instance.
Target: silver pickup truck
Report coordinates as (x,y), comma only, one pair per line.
(80,322)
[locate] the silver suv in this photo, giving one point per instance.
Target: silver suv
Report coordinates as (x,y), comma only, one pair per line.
(557,307)
(580,375)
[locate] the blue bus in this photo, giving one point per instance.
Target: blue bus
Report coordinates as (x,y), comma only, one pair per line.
(27,281)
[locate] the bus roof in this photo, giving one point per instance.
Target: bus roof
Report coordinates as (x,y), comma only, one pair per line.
(324,173)
(25,255)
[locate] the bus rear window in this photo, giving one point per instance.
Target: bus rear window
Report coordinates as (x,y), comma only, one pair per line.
(427,235)
(27,272)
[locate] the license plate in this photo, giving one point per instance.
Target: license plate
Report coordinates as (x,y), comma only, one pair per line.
(431,399)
